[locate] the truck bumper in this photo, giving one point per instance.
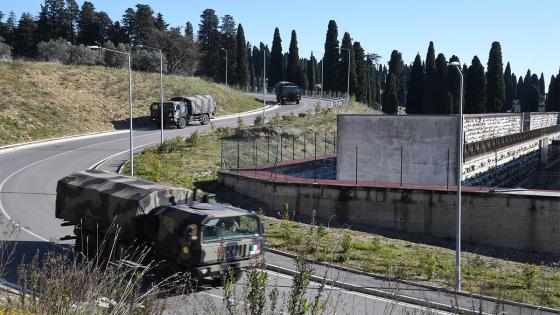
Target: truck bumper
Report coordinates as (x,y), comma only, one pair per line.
(216,269)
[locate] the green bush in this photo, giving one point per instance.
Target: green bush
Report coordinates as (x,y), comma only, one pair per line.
(529,275)
(427,265)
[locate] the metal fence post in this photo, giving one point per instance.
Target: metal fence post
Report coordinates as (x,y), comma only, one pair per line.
(281,149)
(238,155)
(304,152)
(268,149)
(401,168)
(255,154)
(335,136)
(325,142)
(221,154)
(293,147)
(447,168)
(356,164)
(315,160)
(334,143)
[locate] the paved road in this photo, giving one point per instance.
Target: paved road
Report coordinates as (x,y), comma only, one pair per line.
(27,194)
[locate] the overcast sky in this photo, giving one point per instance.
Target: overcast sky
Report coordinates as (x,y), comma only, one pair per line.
(527,30)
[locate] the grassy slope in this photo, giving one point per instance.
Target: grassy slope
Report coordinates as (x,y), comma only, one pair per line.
(41,100)
(173,163)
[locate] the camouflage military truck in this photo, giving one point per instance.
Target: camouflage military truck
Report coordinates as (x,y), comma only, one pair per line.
(182,234)
(287,92)
(182,110)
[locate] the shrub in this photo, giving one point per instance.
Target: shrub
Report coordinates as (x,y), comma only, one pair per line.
(5,51)
(529,275)
(55,50)
(113,59)
(346,242)
(197,139)
(258,120)
(83,56)
(427,265)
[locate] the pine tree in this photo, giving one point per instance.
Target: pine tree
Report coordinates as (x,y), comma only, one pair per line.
(312,72)
(331,58)
(72,17)
(475,97)
(347,51)
(508,83)
(242,66)
(415,88)
(276,59)
(87,28)
(54,21)
(454,84)
(117,34)
(129,24)
(292,66)
(189,31)
(495,91)
(208,41)
(443,99)
(160,23)
(360,89)
(25,43)
(428,101)
(103,25)
(144,24)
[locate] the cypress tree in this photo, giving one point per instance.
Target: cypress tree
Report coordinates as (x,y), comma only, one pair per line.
(550,104)
(25,43)
(347,51)
(509,83)
(276,59)
(331,58)
(415,88)
(301,79)
(390,105)
(532,99)
(535,80)
(312,72)
(292,66)
(475,97)
(242,66)
(454,84)
(513,88)
(428,102)
(521,92)
(228,41)
(189,32)
(541,85)
(361,79)
(495,91)
(208,41)
(443,99)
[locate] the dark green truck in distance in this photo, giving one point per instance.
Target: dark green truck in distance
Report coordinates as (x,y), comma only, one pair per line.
(182,235)
(287,92)
(182,110)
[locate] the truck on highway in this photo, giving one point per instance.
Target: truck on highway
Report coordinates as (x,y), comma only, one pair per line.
(182,110)
(287,92)
(182,235)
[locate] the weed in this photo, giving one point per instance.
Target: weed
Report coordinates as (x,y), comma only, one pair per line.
(427,265)
(529,275)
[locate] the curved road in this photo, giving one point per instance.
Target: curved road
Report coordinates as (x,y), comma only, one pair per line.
(28,178)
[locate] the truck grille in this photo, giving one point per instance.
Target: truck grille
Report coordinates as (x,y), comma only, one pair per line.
(236,250)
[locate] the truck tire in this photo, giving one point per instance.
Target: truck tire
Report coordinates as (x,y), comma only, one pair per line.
(205,119)
(218,281)
(165,270)
(283,102)
(182,123)
(297,102)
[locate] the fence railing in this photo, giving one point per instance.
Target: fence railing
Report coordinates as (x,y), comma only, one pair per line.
(274,150)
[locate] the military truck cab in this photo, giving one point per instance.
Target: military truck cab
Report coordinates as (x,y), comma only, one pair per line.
(287,92)
(182,110)
(206,238)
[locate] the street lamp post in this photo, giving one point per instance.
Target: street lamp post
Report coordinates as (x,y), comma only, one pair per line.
(348,81)
(264,82)
(160,84)
(131,141)
(226,63)
(459,177)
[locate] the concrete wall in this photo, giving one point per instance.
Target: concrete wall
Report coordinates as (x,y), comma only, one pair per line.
(480,127)
(521,221)
(424,140)
(543,120)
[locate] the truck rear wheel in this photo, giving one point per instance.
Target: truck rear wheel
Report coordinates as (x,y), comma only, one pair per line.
(205,119)
(182,123)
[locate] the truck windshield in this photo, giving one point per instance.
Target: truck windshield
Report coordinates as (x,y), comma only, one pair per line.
(230,228)
(290,89)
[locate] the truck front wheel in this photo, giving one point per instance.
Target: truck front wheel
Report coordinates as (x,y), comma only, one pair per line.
(164,271)
(205,119)
(236,275)
(182,123)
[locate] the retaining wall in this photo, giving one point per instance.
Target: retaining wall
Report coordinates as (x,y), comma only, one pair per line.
(519,220)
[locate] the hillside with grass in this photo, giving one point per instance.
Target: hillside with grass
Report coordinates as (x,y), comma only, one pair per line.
(41,100)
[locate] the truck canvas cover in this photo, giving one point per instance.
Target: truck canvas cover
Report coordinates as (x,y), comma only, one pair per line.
(199,104)
(98,197)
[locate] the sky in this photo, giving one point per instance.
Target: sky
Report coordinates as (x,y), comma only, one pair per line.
(527,30)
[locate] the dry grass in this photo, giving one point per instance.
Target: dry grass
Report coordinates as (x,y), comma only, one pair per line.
(40,100)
